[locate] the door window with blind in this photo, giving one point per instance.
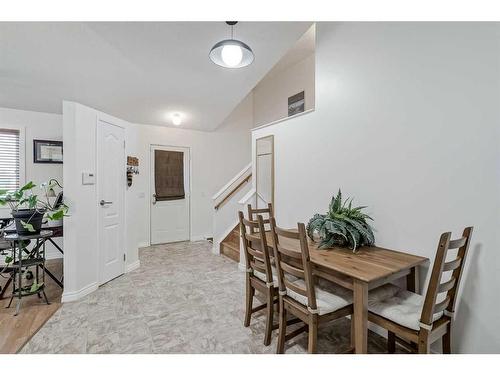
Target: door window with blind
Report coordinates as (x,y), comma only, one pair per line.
(169,175)
(10,168)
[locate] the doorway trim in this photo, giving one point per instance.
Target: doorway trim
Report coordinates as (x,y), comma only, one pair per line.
(272,153)
(172,148)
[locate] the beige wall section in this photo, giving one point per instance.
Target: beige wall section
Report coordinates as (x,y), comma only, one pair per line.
(271,94)
(295,72)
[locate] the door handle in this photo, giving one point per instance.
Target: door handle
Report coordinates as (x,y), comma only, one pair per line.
(103,202)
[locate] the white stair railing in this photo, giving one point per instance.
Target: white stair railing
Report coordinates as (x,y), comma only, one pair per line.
(226,203)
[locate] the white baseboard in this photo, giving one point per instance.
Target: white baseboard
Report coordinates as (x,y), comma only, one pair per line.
(143,244)
(200,238)
(216,248)
(132,266)
(74,296)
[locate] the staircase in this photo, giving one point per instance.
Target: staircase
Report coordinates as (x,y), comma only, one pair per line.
(230,199)
(230,246)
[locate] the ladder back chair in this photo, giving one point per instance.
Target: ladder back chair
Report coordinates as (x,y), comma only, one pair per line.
(253,212)
(259,273)
(298,294)
(426,319)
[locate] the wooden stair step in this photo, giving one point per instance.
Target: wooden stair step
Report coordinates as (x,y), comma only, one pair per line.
(230,246)
(230,250)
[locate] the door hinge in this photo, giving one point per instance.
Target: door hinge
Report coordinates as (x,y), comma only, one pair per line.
(124,257)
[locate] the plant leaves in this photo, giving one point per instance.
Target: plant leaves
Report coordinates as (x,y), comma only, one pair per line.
(343,225)
(35,287)
(27,226)
(30,185)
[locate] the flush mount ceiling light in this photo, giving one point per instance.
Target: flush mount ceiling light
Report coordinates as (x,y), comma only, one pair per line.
(231,53)
(176,119)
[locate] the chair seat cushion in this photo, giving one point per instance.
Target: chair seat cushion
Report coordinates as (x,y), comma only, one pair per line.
(398,305)
(262,276)
(329,297)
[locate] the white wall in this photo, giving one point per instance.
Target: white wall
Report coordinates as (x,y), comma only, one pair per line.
(216,157)
(36,125)
(272,93)
(407,122)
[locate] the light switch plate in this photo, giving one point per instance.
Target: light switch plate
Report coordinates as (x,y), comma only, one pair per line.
(88,178)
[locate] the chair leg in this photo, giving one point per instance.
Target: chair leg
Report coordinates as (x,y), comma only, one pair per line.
(447,340)
(313,334)
(352,331)
(280,348)
(269,316)
(423,342)
(391,342)
(250,291)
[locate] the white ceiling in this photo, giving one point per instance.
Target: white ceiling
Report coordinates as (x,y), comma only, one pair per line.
(141,71)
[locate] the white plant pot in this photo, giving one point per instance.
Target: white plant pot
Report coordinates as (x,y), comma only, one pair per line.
(55,223)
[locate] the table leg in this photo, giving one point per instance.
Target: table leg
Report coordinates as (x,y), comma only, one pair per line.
(56,245)
(9,280)
(20,286)
(412,280)
(51,275)
(360,317)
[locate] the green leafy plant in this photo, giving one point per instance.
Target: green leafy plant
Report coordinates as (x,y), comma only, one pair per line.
(27,198)
(342,225)
(34,287)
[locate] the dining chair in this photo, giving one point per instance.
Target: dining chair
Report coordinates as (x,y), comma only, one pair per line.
(298,293)
(253,212)
(416,321)
(259,271)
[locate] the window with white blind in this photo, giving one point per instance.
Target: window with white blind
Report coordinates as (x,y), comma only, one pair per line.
(10,164)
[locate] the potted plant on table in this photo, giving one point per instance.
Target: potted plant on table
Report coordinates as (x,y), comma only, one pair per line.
(29,208)
(342,225)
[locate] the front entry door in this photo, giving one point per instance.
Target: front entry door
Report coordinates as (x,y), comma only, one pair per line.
(170,198)
(111,182)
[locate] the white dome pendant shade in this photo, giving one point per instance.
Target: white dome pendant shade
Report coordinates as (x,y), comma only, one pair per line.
(231,53)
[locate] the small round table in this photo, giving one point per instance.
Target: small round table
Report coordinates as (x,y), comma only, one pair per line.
(34,257)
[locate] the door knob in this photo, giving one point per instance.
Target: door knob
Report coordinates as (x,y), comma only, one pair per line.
(103,202)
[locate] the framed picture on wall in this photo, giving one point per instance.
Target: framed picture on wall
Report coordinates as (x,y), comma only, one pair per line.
(47,151)
(296,104)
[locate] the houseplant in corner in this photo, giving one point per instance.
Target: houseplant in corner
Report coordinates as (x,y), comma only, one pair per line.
(342,225)
(29,209)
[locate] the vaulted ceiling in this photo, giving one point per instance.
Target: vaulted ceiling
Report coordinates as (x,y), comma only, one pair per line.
(139,71)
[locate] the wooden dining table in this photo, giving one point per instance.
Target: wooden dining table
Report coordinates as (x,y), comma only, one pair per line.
(366,269)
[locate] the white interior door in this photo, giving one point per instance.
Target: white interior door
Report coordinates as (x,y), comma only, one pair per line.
(169,219)
(265,171)
(111,179)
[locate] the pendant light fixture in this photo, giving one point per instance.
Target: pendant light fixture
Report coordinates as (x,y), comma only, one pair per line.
(231,53)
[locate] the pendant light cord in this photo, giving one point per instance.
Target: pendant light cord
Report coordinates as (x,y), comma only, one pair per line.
(232,32)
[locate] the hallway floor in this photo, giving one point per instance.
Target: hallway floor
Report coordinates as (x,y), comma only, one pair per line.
(183,299)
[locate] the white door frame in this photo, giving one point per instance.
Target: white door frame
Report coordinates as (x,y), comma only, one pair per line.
(171,148)
(111,121)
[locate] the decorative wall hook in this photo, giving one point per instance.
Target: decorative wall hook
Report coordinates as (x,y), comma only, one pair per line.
(132,168)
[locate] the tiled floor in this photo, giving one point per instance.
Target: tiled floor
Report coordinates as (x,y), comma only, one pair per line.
(183,299)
